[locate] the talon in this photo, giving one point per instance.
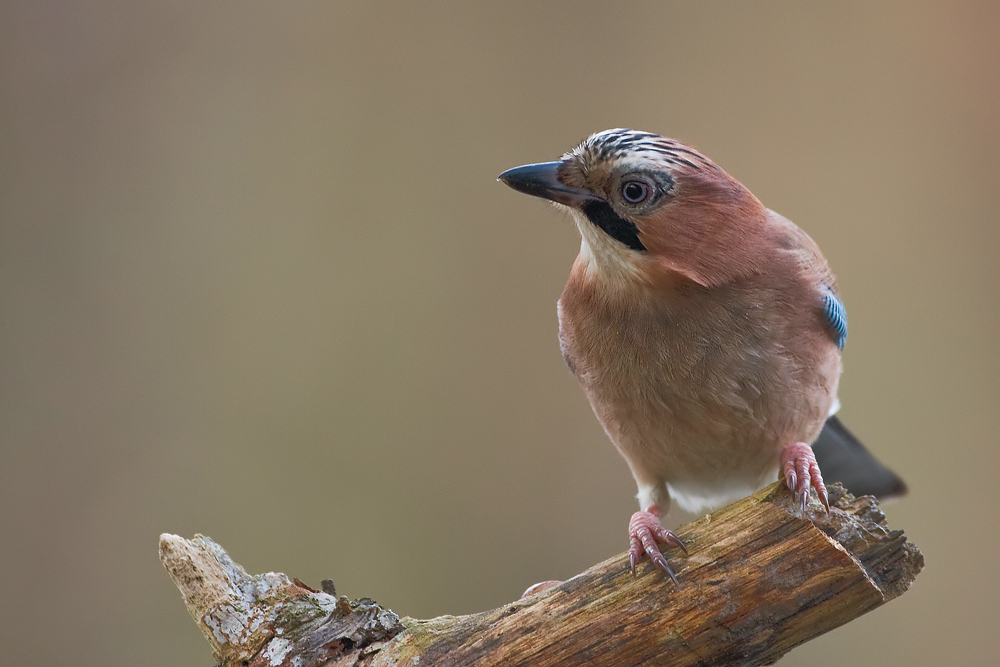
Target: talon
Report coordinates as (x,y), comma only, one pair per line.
(539,587)
(791,481)
(798,463)
(662,563)
(824,497)
(644,532)
(668,536)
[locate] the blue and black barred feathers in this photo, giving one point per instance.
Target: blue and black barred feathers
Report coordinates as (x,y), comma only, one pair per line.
(836,317)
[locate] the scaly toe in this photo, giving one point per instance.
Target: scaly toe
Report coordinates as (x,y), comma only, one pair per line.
(644,531)
(801,472)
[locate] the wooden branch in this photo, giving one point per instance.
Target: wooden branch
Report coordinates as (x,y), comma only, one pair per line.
(759,580)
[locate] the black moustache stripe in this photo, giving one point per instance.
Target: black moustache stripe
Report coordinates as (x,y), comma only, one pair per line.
(601,214)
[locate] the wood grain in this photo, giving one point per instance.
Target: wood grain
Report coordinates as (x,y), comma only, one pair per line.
(758,581)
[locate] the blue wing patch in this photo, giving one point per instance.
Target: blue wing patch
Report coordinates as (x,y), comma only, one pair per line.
(836,316)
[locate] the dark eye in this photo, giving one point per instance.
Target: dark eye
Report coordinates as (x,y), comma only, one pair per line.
(635,192)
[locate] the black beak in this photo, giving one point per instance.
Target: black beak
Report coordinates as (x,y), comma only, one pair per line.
(541,180)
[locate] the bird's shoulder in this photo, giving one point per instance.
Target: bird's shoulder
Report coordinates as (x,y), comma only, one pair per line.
(806,261)
(793,242)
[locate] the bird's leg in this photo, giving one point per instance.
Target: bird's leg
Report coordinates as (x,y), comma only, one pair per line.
(644,531)
(800,470)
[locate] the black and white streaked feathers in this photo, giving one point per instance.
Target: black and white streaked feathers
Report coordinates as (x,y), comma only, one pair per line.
(621,142)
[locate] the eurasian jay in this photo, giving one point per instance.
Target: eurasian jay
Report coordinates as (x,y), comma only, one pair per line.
(705,330)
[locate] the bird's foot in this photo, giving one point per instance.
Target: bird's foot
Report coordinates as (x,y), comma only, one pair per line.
(644,531)
(799,467)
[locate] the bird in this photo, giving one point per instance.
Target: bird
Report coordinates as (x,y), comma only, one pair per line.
(705,329)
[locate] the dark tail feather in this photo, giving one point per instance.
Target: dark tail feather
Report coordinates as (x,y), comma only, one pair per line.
(842,458)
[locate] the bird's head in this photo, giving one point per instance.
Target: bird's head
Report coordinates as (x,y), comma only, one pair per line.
(651,209)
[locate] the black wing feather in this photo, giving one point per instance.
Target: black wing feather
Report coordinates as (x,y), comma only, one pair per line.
(842,458)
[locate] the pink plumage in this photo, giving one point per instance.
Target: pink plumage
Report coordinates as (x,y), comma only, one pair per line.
(697,322)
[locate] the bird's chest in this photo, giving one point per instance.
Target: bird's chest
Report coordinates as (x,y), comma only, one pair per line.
(695,379)
(656,359)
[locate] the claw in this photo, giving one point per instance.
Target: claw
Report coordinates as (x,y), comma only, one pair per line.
(539,587)
(662,563)
(668,536)
(824,497)
(644,531)
(801,472)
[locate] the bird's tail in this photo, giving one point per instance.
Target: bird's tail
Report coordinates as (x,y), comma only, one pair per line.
(842,458)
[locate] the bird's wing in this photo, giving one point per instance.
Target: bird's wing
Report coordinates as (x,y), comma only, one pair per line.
(814,267)
(836,316)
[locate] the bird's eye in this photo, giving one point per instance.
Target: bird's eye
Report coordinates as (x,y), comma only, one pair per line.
(635,192)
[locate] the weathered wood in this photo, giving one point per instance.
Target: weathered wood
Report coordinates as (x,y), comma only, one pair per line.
(759,580)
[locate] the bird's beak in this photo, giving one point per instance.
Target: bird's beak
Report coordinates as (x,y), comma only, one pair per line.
(541,180)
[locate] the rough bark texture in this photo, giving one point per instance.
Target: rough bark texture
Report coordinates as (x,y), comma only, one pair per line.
(759,580)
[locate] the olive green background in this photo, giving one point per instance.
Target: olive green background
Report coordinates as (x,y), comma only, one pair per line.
(258,281)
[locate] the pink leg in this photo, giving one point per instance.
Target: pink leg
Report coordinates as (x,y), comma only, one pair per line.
(644,531)
(799,467)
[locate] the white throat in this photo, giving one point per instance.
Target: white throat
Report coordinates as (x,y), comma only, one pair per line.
(603,257)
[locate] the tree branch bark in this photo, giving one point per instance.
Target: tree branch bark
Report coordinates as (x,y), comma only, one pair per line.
(759,581)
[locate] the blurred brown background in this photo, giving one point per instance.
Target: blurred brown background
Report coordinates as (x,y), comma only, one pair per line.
(259,282)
